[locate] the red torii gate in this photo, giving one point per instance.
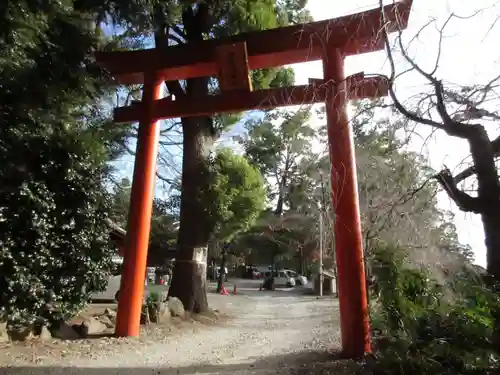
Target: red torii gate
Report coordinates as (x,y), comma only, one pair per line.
(230,60)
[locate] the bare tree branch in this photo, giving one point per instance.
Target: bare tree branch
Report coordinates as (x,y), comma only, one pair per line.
(466,173)
(463,200)
(474,134)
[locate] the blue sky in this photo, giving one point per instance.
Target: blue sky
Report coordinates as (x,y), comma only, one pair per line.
(470,55)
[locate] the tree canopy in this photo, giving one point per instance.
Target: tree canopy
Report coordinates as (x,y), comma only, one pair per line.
(238,195)
(397,197)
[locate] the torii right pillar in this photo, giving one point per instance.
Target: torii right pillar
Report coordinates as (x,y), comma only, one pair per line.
(354,316)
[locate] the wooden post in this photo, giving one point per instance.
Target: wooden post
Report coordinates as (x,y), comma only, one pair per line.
(139,222)
(355,326)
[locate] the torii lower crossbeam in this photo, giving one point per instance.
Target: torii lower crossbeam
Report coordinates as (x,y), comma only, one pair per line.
(358,87)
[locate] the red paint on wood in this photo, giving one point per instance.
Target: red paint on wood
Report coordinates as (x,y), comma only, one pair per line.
(139,221)
(236,101)
(354,317)
(353,34)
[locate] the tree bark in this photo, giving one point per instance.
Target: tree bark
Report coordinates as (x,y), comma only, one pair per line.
(281,197)
(486,204)
(190,271)
(488,194)
(222,272)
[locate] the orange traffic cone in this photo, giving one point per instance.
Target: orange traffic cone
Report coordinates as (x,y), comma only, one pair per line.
(223,291)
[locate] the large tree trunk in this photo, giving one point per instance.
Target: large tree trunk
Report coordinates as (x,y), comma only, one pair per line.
(281,195)
(488,195)
(190,271)
(487,202)
(491,225)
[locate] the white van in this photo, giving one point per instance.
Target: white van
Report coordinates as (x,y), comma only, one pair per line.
(281,279)
(299,279)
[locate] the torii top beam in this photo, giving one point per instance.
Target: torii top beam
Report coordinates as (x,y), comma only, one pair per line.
(355,33)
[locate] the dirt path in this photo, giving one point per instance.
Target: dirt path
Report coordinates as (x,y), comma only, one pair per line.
(275,332)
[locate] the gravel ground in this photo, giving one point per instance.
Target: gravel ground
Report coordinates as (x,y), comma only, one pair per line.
(270,332)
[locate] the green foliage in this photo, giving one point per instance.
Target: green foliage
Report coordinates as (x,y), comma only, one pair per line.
(238,195)
(293,12)
(238,16)
(276,239)
(419,331)
(153,299)
(277,149)
(121,202)
(54,240)
(54,235)
(397,200)
(164,225)
(280,145)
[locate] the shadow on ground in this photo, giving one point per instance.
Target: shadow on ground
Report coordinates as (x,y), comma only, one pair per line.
(310,362)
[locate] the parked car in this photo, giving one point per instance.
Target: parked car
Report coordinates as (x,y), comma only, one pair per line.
(299,279)
(281,278)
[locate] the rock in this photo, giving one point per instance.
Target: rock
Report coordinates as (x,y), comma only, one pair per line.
(145,315)
(110,314)
(44,334)
(20,332)
(153,312)
(106,320)
(164,314)
(92,326)
(164,296)
(65,332)
(204,319)
(78,328)
(4,335)
(176,307)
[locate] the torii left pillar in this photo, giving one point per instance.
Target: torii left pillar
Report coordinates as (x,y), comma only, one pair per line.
(139,220)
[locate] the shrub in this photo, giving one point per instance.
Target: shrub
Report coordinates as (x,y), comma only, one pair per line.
(54,238)
(153,299)
(416,331)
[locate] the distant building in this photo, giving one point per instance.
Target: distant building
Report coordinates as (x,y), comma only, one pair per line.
(117,235)
(157,255)
(329,283)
